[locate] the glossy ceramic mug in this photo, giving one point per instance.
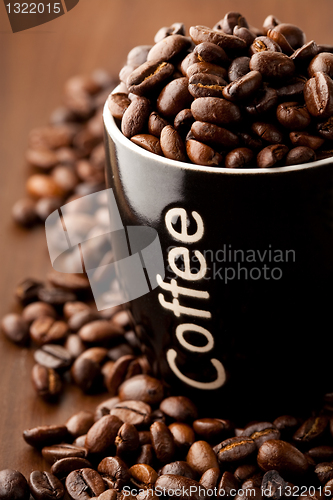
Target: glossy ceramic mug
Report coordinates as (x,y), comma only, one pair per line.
(243,315)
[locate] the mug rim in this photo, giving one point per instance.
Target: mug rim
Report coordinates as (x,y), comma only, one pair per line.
(114,132)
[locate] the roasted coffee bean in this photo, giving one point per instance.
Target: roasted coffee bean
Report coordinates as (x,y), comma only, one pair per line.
(53,356)
(138,55)
(212,429)
(135,117)
(100,331)
(238,68)
(71,308)
(215,110)
(148,77)
(305,53)
(172,144)
(168,48)
(45,206)
(174,29)
(244,33)
(118,373)
(183,122)
(312,430)
(201,154)
(80,423)
(264,43)
(45,330)
(86,373)
(239,158)
(173,98)
(180,484)
(244,472)
(183,435)
(293,115)
(324,472)
(162,441)
(127,439)
(179,408)
(143,476)
(230,20)
(293,89)
(243,88)
(201,457)
(13,485)
(45,486)
(294,35)
(179,468)
(210,53)
(206,69)
(15,328)
(46,381)
(97,354)
(322,62)
(323,453)
(42,186)
(156,123)
(272,65)
(24,212)
(143,388)
(228,484)
(117,104)
(270,22)
(55,296)
(84,484)
(305,139)
(102,434)
(74,345)
(148,142)
(116,470)
(271,156)
(273,485)
(325,129)
(283,457)
(68,281)
(27,291)
(299,155)
(201,34)
(61,468)
(105,407)
(287,424)
(280,40)
(190,59)
(59,451)
(209,479)
(318,95)
(214,135)
(267,131)
(261,432)
(81,318)
(265,100)
(45,435)
(36,310)
(146,455)
(235,449)
(206,85)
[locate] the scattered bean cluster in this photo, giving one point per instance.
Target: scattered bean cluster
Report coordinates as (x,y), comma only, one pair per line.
(143,445)
(72,341)
(66,157)
(232,96)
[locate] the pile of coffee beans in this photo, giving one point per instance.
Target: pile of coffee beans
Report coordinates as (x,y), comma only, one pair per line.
(66,157)
(232,96)
(144,444)
(72,341)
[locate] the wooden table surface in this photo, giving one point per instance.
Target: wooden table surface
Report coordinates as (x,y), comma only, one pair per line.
(34,65)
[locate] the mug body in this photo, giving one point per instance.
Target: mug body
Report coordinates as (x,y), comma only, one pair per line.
(242,316)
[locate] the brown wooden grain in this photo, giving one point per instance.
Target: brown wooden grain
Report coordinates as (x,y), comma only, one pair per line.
(34,66)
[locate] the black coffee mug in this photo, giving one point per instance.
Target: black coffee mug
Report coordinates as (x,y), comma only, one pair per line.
(243,315)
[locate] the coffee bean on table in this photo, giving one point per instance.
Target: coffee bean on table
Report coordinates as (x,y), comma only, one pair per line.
(61,468)
(45,330)
(100,331)
(102,434)
(283,457)
(46,381)
(24,212)
(134,412)
(45,435)
(116,470)
(142,387)
(80,423)
(53,356)
(55,296)
(45,486)
(83,484)
(59,451)
(15,328)
(37,309)
(87,374)
(13,485)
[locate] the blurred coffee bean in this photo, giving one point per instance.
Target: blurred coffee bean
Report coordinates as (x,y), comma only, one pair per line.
(46,381)
(24,212)
(15,328)
(142,387)
(13,485)
(45,435)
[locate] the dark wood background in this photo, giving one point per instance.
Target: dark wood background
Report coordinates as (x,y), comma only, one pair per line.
(34,65)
